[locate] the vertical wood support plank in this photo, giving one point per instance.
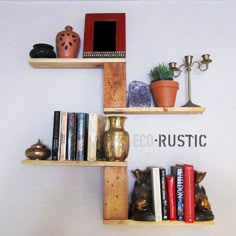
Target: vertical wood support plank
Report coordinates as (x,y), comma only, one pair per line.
(115,193)
(114,85)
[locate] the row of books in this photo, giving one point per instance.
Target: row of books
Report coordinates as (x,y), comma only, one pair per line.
(77,136)
(173,195)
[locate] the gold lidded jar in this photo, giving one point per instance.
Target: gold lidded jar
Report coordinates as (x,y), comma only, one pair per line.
(116,140)
(38,151)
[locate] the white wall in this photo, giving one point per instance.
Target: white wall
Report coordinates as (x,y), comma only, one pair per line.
(67,201)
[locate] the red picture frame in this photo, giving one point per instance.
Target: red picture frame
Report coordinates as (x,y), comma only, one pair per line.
(104,35)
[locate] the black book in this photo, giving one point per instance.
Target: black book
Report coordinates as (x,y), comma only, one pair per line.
(56,136)
(82,136)
(71,136)
(164,197)
(177,171)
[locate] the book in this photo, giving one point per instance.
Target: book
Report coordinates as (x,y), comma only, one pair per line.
(171,194)
(164,198)
(96,129)
(71,139)
(189,211)
(177,171)
(63,135)
(56,135)
(156,192)
(82,136)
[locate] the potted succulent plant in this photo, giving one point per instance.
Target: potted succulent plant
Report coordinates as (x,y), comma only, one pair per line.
(163,87)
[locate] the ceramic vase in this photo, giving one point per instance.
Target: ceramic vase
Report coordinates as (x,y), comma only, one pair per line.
(67,43)
(164,92)
(116,140)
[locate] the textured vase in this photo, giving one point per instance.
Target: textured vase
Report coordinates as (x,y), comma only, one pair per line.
(67,43)
(116,140)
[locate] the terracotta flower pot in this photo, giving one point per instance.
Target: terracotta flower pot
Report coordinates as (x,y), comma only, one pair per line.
(164,92)
(67,43)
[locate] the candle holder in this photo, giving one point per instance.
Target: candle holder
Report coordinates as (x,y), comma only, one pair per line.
(202,66)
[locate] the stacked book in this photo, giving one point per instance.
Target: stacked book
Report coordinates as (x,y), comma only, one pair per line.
(77,136)
(173,195)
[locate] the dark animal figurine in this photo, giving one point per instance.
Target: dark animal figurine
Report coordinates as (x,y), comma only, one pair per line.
(141,200)
(203,210)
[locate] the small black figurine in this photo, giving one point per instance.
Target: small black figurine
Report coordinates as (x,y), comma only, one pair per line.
(202,206)
(141,205)
(42,50)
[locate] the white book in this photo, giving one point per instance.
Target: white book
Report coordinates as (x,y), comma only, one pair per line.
(63,134)
(96,128)
(156,190)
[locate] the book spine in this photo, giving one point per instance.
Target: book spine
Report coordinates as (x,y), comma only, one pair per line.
(177,171)
(180,193)
(56,136)
(171,193)
(63,135)
(82,133)
(156,190)
(92,136)
(189,211)
(99,139)
(164,199)
(71,136)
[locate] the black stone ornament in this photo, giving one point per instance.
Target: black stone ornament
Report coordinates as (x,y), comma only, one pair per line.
(42,50)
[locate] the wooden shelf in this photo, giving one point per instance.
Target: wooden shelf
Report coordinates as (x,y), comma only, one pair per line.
(72,62)
(133,222)
(72,163)
(154,110)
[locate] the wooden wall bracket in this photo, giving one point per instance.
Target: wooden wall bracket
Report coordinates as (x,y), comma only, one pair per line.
(115,193)
(114,85)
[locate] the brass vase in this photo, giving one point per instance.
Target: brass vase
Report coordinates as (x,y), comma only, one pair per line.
(38,151)
(116,140)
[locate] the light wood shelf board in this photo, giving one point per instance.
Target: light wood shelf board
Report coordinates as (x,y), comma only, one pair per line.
(72,163)
(154,110)
(133,222)
(72,62)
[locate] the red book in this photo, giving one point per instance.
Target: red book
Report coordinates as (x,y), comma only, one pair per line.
(171,196)
(189,211)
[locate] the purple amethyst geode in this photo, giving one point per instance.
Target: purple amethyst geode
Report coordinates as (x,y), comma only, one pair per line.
(139,95)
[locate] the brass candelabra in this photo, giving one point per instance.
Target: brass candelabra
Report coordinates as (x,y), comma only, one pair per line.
(202,66)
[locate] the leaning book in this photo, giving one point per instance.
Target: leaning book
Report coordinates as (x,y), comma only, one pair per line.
(82,136)
(164,197)
(189,210)
(63,136)
(71,136)
(177,171)
(56,136)
(96,129)
(156,191)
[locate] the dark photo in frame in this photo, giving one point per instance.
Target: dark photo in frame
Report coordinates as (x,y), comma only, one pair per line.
(104,35)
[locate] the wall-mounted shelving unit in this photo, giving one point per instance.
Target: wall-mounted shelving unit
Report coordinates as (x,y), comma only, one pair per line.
(115,205)
(114,84)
